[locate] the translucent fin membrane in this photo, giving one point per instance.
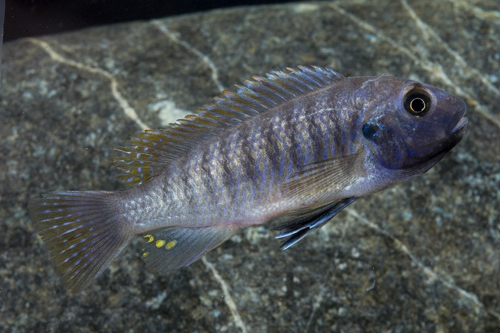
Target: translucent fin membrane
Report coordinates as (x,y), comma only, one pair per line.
(81,230)
(152,151)
(173,248)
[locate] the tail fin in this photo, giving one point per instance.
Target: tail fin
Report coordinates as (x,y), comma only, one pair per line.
(82,231)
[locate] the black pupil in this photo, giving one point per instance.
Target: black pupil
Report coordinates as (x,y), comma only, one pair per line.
(417,104)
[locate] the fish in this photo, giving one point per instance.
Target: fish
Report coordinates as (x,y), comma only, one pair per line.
(290,148)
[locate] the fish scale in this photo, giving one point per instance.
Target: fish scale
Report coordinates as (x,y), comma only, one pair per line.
(292,149)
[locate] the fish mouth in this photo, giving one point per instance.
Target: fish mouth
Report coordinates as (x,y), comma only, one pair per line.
(453,138)
(456,134)
(458,131)
(443,147)
(461,126)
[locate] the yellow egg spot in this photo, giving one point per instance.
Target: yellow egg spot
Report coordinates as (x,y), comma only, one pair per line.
(145,254)
(170,245)
(159,243)
(150,238)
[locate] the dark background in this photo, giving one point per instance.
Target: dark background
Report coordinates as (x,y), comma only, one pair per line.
(41,17)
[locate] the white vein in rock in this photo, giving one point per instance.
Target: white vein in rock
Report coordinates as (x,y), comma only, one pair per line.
(428,31)
(492,16)
(127,109)
(432,68)
(204,58)
(428,272)
(318,299)
(227,295)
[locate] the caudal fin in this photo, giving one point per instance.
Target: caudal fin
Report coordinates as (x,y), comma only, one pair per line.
(82,231)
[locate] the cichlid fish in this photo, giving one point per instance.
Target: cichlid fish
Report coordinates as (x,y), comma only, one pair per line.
(292,148)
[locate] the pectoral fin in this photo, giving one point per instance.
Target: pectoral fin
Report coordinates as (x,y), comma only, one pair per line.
(299,226)
(173,248)
(317,181)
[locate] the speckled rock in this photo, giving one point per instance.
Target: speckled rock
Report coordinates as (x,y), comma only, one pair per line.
(423,256)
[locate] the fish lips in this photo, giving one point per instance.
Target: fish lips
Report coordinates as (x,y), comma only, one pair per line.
(439,150)
(453,139)
(457,130)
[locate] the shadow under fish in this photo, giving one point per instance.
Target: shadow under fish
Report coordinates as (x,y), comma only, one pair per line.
(293,148)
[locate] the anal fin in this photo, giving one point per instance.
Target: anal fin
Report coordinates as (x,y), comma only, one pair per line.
(173,248)
(298,227)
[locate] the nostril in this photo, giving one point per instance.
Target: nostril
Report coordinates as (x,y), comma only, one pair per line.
(369,130)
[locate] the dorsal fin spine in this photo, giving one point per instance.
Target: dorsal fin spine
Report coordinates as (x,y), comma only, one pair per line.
(315,83)
(195,125)
(219,117)
(251,96)
(247,104)
(278,81)
(274,84)
(244,107)
(235,110)
(300,83)
(204,122)
(262,94)
(263,90)
(227,107)
(225,113)
(325,74)
(151,152)
(176,135)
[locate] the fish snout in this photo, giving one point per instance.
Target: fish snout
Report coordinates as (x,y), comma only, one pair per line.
(461,123)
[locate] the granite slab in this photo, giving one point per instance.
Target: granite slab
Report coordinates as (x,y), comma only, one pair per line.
(422,256)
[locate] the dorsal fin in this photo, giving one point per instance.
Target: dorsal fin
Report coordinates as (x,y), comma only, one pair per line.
(151,151)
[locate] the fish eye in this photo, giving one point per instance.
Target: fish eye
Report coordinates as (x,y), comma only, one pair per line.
(417,103)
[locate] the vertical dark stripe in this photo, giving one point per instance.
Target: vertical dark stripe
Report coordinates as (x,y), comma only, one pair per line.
(317,139)
(247,154)
(345,132)
(294,153)
(232,164)
(275,156)
(298,126)
(330,123)
(263,166)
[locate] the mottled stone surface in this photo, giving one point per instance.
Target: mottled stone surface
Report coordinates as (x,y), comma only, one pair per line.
(423,256)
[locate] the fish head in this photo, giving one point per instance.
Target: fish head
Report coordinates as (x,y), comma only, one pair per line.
(412,125)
